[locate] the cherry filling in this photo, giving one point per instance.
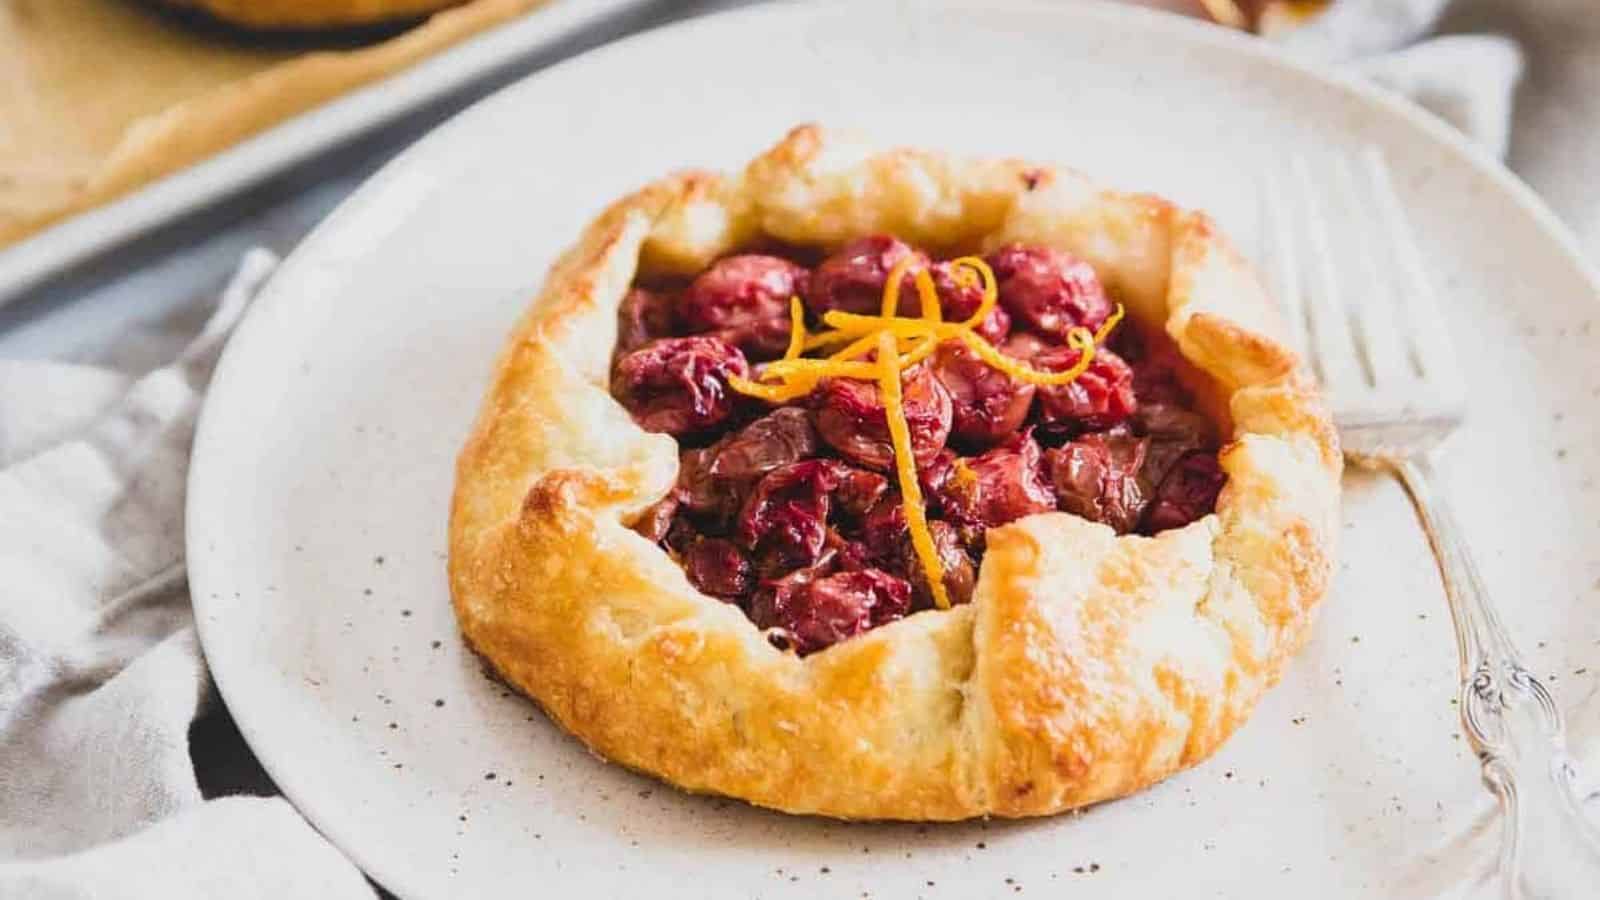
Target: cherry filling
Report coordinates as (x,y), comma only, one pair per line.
(679,385)
(851,280)
(987,404)
(745,301)
(1048,291)
(793,510)
(851,418)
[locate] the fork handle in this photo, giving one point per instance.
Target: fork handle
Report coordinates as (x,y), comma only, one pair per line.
(1548,847)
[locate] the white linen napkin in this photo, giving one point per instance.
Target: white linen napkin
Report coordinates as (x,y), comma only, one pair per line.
(100,673)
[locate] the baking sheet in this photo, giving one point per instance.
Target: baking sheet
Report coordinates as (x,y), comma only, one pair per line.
(141,151)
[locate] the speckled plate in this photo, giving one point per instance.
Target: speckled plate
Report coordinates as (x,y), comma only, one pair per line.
(323,469)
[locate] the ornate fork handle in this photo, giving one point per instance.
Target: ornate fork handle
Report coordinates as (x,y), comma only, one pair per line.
(1549,849)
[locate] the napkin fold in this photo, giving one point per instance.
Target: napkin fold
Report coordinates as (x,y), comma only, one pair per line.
(101,676)
(1469,81)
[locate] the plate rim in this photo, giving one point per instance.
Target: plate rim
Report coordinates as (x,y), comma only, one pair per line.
(1164,26)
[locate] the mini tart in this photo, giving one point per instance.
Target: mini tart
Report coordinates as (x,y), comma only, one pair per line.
(1087,666)
(279,14)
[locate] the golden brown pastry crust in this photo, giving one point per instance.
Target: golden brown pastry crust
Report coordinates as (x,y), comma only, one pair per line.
(1087,665)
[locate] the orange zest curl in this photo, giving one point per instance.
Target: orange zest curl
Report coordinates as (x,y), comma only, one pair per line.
(797,329)
(919,353)
(906,468)
(971,270)
(858,347)
(891,285)
(901,342)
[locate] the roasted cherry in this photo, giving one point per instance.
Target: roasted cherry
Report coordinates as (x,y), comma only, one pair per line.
(859,490)
(716,567)
(1188,492)
(850,417)
(812,612)
(1173,431)
(773,441)
(643,316)
(846,555)
(959,573)
(679,385)
(1155,378)
(712,501)
(960,298)
(933,476)
(784,519)
(883,527)
(681,535)
(1097,477)
(987,405)
(1097,399)
(654,521)
(999,486)
(1049,291)
(852,278)
(745,300)
(1169,422)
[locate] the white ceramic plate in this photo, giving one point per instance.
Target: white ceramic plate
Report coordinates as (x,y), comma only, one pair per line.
(82,236)
(324,465)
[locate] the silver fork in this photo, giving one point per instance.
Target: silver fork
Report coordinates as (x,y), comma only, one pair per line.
(1397,394)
